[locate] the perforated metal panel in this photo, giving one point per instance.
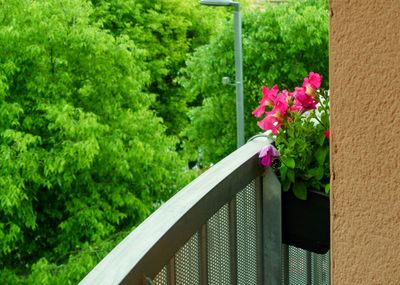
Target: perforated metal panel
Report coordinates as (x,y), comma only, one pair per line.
(303,267)
(247,235)
(218,248)
(298,271)
(187,263)
(161,278)
(320,268)
(298,266)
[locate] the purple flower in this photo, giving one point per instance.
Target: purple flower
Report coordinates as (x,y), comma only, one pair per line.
(268,153)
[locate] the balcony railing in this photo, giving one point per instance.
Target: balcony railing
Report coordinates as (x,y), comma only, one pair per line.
(223,228)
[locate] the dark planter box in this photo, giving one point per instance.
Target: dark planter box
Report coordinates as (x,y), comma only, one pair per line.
(306,224)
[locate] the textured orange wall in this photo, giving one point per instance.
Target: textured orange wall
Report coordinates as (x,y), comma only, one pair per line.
(365,150)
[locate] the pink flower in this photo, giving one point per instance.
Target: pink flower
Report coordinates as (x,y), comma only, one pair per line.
(267,100)
(273,119)
(302,101)
(267,154)
(296,108)
(269,95)
(287,93)
(259,111)
(270,123)
(281,104)
(327,133)
(313,80)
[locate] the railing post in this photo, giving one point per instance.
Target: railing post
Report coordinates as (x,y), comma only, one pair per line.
(259,213)
(203,255)
(285,264)
(309,268)
(317,266)
(272,229)
(171,272)
(232,241)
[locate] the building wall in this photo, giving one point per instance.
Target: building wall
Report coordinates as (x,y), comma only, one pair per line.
(365,146)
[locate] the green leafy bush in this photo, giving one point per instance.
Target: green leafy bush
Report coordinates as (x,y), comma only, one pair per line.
(166,31)
(82,155)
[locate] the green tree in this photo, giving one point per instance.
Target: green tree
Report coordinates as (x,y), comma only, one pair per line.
(281,44)
(82,156)
(167,31)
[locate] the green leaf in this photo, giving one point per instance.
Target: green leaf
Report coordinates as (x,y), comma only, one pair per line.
(320,155)
(321,139)
(317,172)
(283,170)
(300,190)
(288,161)
(291,175)
(327,188)
(285,185)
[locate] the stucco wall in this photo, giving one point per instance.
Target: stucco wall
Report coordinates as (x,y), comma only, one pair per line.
(365,151)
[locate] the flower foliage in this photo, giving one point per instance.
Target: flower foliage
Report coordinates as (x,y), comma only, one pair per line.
(299,120)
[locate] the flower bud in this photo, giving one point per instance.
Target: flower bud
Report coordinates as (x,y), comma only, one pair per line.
(310,91)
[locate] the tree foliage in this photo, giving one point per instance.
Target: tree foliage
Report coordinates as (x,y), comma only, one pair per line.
(82,155)
(280,44)
(166,30)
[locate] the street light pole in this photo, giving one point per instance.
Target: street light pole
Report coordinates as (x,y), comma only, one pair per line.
(238,65)
(239,76)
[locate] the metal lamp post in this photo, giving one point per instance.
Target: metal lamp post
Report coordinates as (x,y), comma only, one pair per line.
(238,64)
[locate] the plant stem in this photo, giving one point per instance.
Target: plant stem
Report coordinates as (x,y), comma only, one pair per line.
(320,122)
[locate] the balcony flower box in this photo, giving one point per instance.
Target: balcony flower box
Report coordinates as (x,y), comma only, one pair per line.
(298,123)
(306,223)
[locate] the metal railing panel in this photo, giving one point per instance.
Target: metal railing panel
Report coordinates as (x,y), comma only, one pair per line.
(247,247)
(187,261)
(219,248)
(161,278)
(145,251)
(303,267)
(259,231)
